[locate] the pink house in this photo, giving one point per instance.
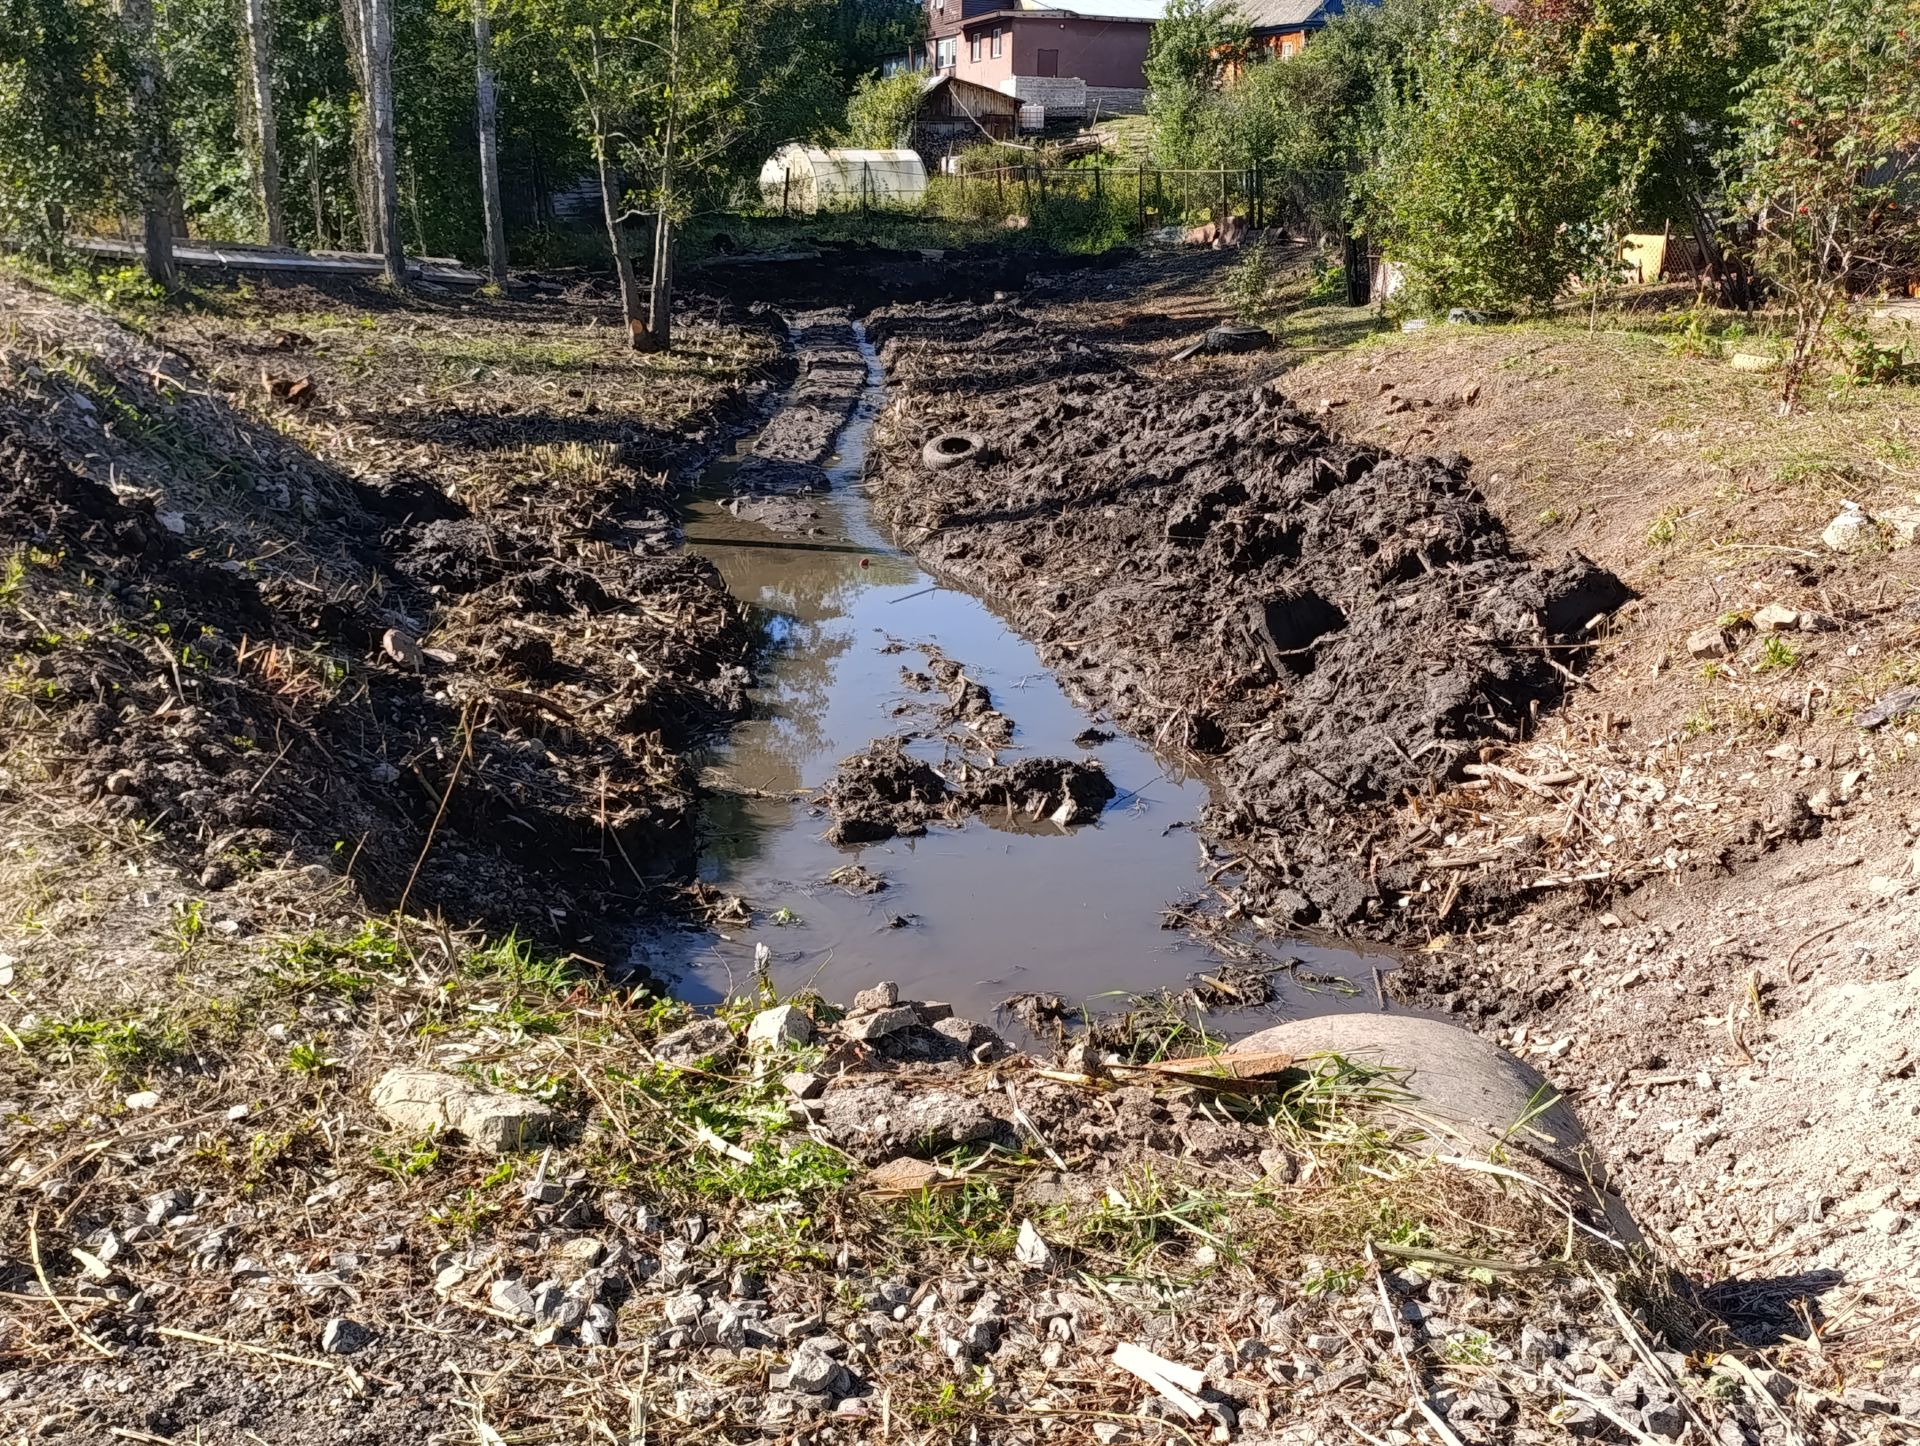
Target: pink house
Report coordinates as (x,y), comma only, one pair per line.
(1072,62)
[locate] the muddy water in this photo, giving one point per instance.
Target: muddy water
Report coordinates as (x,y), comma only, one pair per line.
(969,915)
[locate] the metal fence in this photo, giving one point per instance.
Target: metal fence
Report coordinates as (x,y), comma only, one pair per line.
(1145,197)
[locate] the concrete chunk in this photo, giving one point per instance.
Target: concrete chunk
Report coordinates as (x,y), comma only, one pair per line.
(425,1102)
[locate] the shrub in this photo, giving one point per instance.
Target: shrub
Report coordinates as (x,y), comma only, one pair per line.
(1489,185)
(881,109)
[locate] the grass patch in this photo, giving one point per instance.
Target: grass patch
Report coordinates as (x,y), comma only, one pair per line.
(127,1049)
(324,963)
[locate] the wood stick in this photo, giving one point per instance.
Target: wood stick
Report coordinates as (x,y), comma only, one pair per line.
(40,1274)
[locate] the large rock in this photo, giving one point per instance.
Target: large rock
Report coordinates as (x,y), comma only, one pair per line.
(877,1122)
(1468,1096)
(426,1102)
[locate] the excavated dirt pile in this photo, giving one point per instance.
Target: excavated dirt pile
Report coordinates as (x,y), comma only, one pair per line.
(224,635)
(1330,627)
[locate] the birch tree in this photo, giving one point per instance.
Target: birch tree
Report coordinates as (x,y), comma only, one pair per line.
(369,31)
(266,131)
(486,125)
(694,117)
(153,166)
(598,45)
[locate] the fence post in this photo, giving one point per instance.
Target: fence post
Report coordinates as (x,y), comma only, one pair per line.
(1099,188)
(1140,193)
(1224,211)
(1000,186)
(1186,194)
(786,190)
(866,189)
(1040,175)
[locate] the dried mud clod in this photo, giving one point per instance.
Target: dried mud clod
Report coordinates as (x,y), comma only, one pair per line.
(1336,627)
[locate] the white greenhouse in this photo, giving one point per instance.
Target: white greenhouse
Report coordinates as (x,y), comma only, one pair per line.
(800,180)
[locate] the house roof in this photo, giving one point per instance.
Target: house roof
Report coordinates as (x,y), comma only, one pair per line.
(1141,10)
(929,84)
(1285,14)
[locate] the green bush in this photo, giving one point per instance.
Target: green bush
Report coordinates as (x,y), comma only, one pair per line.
(881,109)
(1490,186)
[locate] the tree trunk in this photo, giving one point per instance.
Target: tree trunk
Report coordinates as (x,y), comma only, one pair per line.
(266,131)
(151,161)
(385,167)
(660,295)
(489,144)
(366,204)
(637,336)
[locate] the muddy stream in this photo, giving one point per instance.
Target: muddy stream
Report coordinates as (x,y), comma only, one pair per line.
(971,914)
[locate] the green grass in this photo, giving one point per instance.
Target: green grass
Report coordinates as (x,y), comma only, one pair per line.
(324,963)
(1776,655)
(127,1049)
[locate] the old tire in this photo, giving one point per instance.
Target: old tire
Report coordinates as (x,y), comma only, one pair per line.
(950,449)
(1231,336)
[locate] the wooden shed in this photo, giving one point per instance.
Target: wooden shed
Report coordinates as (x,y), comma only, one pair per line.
(957,113)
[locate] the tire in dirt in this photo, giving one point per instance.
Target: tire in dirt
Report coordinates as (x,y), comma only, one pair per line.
(950,449)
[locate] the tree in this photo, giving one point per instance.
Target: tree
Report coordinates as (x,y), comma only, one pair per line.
(1829,159)
(881,109)
(266,130)
(369,28)
(485,124)
(153,151)
(597,44)
(1491,188)
(1188,51)
(64,120)
(692,120)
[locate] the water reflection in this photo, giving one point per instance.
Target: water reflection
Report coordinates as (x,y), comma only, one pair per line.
(969,915)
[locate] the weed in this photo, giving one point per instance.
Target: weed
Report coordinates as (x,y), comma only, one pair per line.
(957,1406)
(127,1049)
(976,1218)
(189,923)
(1665,529)
(1469,1348)
(321,963)
(310,1058)
(1699,723)
(1149,1218)
(1776,655)
(264,1152)
(13,578)
(404,1162)
(514,961)
(1336,1280)
(784,917)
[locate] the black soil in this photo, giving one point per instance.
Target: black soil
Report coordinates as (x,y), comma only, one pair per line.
(258,714)
(1325,628)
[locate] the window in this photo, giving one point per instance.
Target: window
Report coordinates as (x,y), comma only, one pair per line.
(973,48)
(944,52)
(1047,62)
(997,33)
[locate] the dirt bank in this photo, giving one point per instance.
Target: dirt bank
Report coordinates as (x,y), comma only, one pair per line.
(1329,627)
(1711,946)
(803,1223)
(296,587)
